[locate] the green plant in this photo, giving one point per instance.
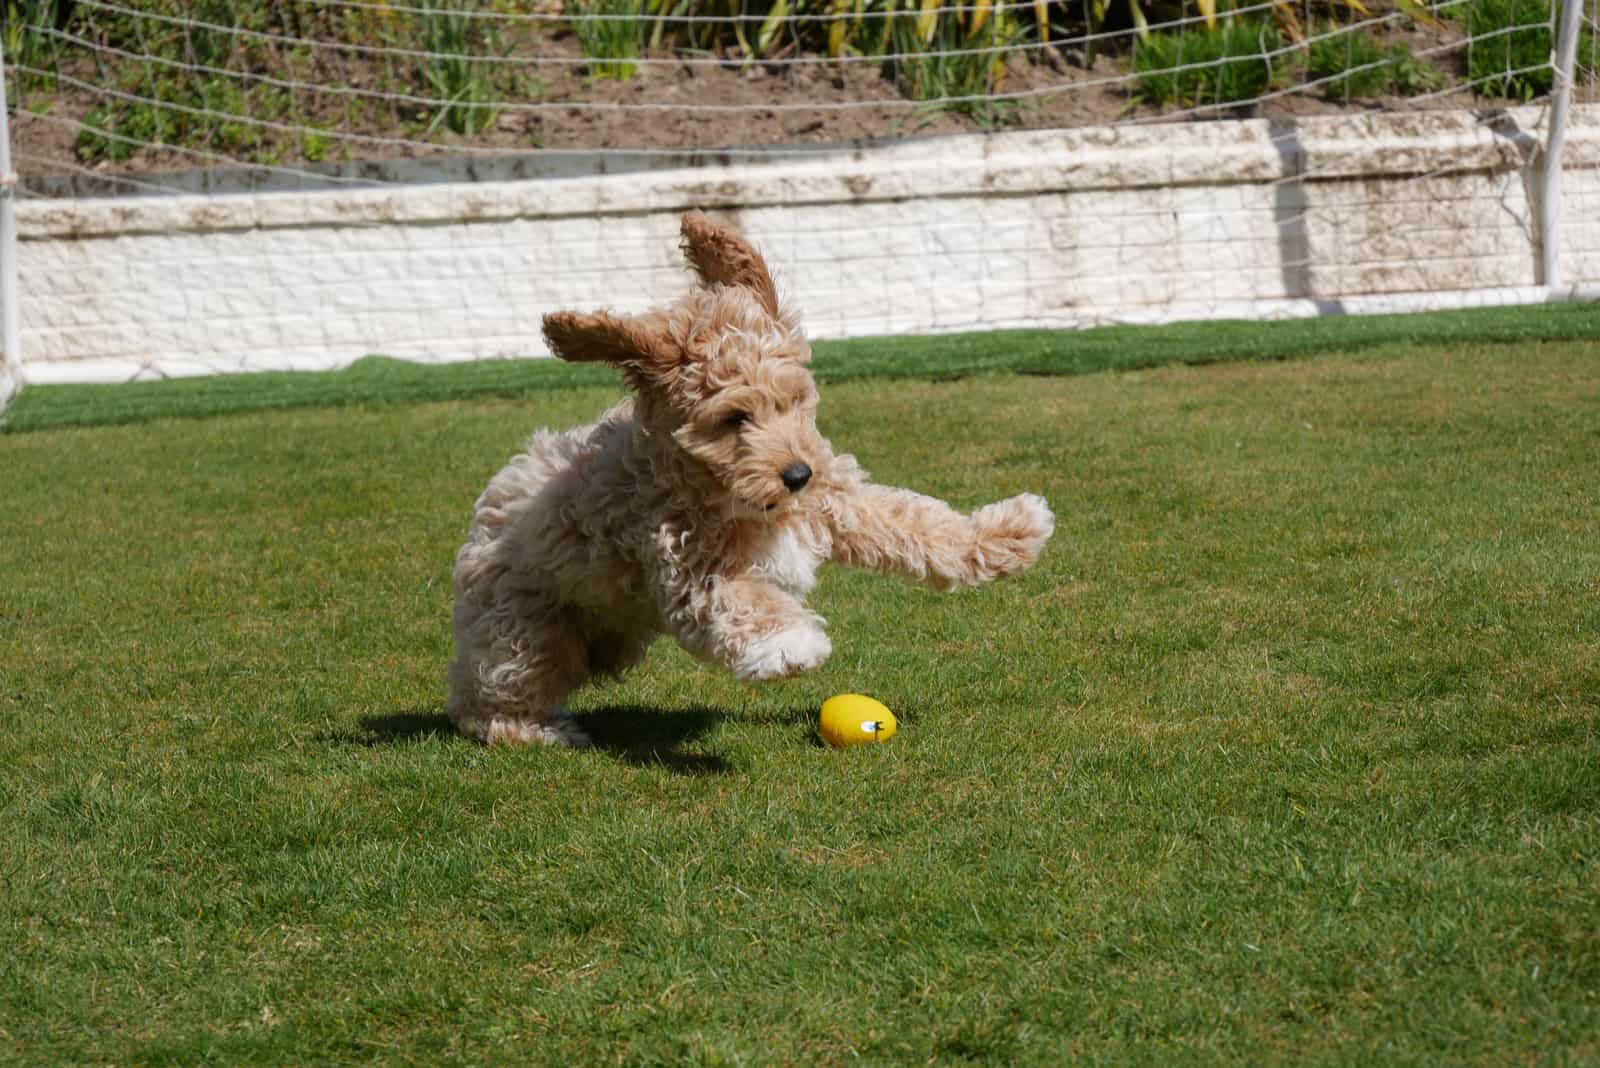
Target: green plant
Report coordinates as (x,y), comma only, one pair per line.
(1097,12)
(831,27)
(455,69)
(726,24)
(949,57)
(167,108)
(314,146)
(24,30)
(1234,63)
(956,62)
(610,33)
(1409,75)
(217,47)
(27,40)
(114,131)
(182,91)
(1349,64)
(1510,44)
(99,137)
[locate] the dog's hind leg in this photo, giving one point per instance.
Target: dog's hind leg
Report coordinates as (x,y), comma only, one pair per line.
(613,652)
(514,666)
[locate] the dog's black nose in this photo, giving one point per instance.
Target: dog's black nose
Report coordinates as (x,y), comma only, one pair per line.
(795,477)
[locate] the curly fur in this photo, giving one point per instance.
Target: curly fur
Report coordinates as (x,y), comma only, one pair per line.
(700,507)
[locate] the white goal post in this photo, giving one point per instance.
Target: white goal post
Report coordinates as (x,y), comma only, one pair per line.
(1564,61)
(211,187)
(10,311)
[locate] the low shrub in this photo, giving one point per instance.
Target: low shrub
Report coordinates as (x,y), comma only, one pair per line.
(611,34)
(1352,65)
(1511,42)
(454,69)
(1234,63)
(1348,65)
(956,62)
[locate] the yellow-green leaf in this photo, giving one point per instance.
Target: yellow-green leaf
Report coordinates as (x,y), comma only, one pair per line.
(1140,24)
(773,23)
(1289,20)
(980,15)
(838,28)
(1417,11)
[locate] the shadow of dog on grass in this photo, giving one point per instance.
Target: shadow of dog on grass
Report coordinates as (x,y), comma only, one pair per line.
(643,737)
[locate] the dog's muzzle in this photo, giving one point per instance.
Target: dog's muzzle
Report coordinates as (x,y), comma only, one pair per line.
(795,477)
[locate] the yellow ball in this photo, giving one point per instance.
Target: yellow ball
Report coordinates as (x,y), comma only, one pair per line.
(852,719)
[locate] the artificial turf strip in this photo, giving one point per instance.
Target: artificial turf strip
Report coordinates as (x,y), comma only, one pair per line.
(378,380)
(1287,752)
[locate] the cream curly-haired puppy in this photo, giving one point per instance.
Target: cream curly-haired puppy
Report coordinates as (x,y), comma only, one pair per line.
(700,507)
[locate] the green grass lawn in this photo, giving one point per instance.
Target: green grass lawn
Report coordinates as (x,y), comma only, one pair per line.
(1289,750)
(380,381)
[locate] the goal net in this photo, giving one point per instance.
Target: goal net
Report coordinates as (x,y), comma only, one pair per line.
(210,185)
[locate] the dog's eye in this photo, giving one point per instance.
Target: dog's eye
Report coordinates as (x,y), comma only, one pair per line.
(736,420)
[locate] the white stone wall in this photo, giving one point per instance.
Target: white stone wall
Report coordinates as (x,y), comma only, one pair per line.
(1133,223)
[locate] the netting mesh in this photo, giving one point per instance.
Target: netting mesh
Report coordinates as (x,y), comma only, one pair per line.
(1137,161)
(121,90)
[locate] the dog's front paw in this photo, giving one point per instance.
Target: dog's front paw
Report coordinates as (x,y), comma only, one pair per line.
(784,653)
(1011,534)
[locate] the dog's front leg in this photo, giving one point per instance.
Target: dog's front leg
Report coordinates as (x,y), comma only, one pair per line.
(752,628)
(924,538)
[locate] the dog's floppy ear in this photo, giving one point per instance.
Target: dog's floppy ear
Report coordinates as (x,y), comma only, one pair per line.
(602,337)
(720,255)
